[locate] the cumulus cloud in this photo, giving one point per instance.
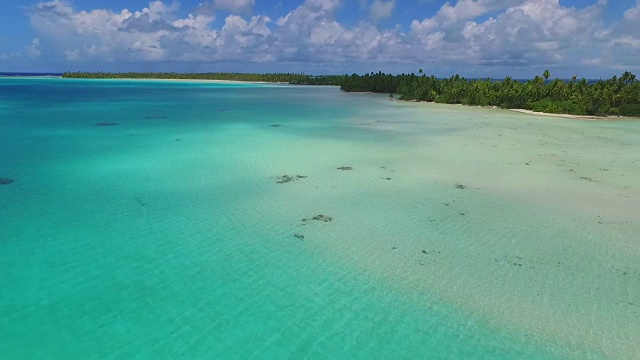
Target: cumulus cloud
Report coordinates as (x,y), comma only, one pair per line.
(236,6)
(242,7)
(151,34)
(382,9)
(633,14)
(311,33)
(33,50)
(525,33)
(620,43)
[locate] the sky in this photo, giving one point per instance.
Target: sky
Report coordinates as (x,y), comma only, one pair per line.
(473,38)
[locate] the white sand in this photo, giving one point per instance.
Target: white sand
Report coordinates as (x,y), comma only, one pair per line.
(580,117)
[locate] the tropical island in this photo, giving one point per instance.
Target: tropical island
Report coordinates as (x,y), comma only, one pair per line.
(617,96)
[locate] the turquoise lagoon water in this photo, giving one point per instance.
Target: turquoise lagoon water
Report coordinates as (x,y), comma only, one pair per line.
(459,232)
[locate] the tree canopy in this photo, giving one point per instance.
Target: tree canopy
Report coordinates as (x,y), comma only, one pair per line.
(286,78)
(615,96)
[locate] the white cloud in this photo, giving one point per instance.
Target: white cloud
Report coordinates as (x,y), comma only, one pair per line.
(150,34)
(311,33)
(33,50)
(633,14)
(593,61)
(10,56)
(528,33)
(231,6)
(236,6)
(382,9)
(469,9)
(620,44)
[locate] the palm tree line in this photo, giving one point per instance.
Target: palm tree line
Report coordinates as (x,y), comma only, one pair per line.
(614,96)
(285,78)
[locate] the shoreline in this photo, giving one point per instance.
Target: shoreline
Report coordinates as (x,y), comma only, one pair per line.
(531,112)
(202,81)
(522,111)
(576,117)
(32,77)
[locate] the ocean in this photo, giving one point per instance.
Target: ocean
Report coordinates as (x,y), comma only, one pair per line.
(169,219)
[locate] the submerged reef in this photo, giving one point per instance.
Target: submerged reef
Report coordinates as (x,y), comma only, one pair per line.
(6,181)
(323,218)
(289,178)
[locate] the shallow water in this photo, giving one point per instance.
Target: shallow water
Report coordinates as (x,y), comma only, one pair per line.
(168,234)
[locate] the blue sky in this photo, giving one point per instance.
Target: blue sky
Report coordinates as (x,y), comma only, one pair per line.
(475,38)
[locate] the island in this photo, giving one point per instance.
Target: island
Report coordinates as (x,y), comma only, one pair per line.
(617,96)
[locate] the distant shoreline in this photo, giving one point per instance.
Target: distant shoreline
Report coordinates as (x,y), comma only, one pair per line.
(30,76)
(93,76)
(269,78)
(202,81)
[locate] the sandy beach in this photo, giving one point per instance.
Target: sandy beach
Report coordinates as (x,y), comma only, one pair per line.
(201,81)
(579,117)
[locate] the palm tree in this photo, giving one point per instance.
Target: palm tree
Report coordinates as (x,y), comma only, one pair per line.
(546,75)
(628,77)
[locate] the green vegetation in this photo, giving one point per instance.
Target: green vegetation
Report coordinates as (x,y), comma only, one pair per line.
(288,78)
(615,96)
